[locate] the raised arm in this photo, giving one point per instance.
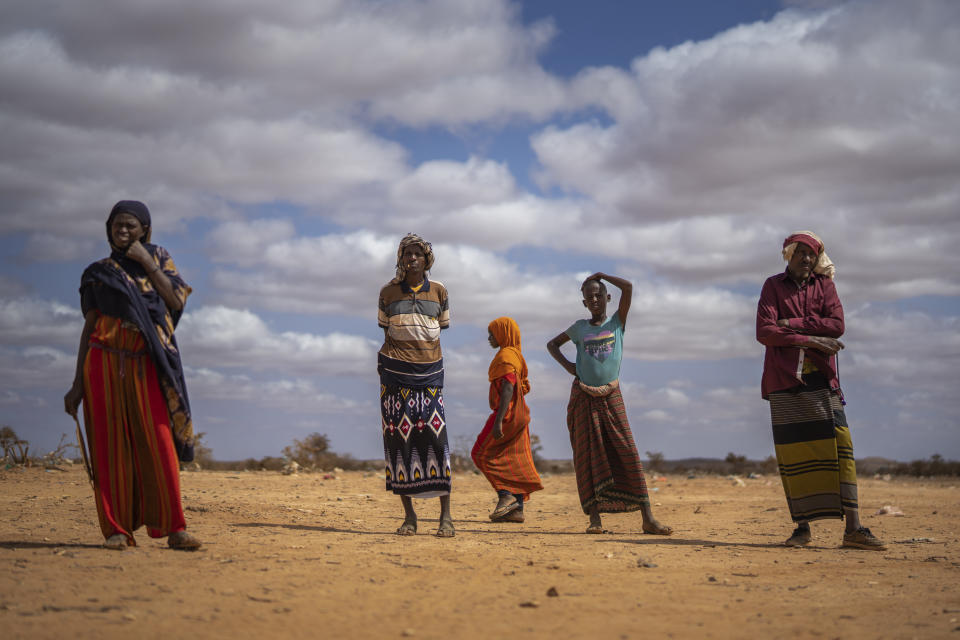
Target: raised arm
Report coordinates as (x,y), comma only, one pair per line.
(626,293)
(554,348)
(161,282)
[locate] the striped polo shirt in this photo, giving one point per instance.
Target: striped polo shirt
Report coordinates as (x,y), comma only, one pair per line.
(411,355)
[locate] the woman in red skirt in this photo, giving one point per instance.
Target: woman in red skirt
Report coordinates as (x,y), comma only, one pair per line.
(130,379)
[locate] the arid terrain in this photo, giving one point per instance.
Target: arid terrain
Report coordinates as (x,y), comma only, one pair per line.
(314,556)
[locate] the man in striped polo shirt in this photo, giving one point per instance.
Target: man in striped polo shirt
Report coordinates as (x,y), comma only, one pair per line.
(412,312)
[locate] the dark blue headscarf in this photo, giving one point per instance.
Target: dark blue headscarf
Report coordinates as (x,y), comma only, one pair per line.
(118,286)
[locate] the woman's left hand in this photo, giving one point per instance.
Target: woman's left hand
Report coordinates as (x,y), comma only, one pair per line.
(497,430)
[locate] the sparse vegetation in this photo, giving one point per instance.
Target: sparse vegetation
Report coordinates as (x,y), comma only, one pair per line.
(59,455)
(654,460)
(202,453)
(313,454)
(738,463)
(536,448)
(16,451)
(460,459)
(934,466)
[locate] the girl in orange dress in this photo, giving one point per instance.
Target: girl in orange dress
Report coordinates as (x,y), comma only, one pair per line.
(502,451)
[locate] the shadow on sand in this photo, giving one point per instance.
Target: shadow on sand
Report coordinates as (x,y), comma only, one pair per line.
(30,544)
(507,530)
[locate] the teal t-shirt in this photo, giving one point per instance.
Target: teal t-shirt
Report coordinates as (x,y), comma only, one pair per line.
(599,350)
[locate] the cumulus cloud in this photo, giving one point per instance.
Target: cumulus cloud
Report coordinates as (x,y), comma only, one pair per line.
(199,109)
(31,321)
(296,395)
(841,120)
(904,350)
(229,338)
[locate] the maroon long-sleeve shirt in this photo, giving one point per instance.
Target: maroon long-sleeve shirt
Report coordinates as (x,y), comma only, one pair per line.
(812,310)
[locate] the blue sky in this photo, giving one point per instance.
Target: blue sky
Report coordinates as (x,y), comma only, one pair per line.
(284,151)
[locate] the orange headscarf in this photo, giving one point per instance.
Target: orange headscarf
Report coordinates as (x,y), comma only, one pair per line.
(509,358)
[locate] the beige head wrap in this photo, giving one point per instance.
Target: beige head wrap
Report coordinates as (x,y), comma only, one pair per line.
(409,239)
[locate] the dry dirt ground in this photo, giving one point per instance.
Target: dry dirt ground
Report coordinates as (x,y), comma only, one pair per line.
(315,557)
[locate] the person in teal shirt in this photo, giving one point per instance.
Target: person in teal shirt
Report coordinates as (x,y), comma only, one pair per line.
(609,473)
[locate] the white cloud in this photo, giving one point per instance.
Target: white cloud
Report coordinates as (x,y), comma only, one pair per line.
(229,338)
(31,321)
(440,185)
(295,395)
(719,148)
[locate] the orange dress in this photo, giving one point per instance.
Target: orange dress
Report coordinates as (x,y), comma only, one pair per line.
(508,462)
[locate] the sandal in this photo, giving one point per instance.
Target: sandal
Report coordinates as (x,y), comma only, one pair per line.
(407,529)
(183,541)
(597,529)
(446,529)
(499,512)
(116,542)
(514,516)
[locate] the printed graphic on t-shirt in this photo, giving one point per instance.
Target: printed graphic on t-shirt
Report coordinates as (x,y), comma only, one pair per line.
(599,345)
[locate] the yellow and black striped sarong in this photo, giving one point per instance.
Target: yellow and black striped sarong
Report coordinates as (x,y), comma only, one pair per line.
(814,450)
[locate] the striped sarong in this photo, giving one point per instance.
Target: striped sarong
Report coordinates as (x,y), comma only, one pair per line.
(135,467)
(814,450)
(609,472)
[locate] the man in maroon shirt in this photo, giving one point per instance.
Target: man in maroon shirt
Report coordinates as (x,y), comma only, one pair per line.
(800,321)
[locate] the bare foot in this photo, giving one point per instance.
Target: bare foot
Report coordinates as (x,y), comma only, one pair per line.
(408,528)
(653,527)
(596,524)
(446,529)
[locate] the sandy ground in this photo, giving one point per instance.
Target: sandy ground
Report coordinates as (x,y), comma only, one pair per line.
(308,556)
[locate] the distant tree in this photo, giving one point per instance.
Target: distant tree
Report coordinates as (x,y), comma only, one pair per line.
(770,465)
(14,448)
(202,454)
(536,448)
(312,452)
(738,462)
(460,459)
(654,460)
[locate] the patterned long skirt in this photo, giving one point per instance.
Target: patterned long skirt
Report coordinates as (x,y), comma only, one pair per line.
(135,467)
(415,441)
(609,472)
(814,450)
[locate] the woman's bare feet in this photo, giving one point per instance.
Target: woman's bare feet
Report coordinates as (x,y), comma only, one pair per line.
(596,524)
(446,529)
(409,527)
(653,527)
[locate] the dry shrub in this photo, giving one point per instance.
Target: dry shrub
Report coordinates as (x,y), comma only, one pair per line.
(15,449)
(935,466)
